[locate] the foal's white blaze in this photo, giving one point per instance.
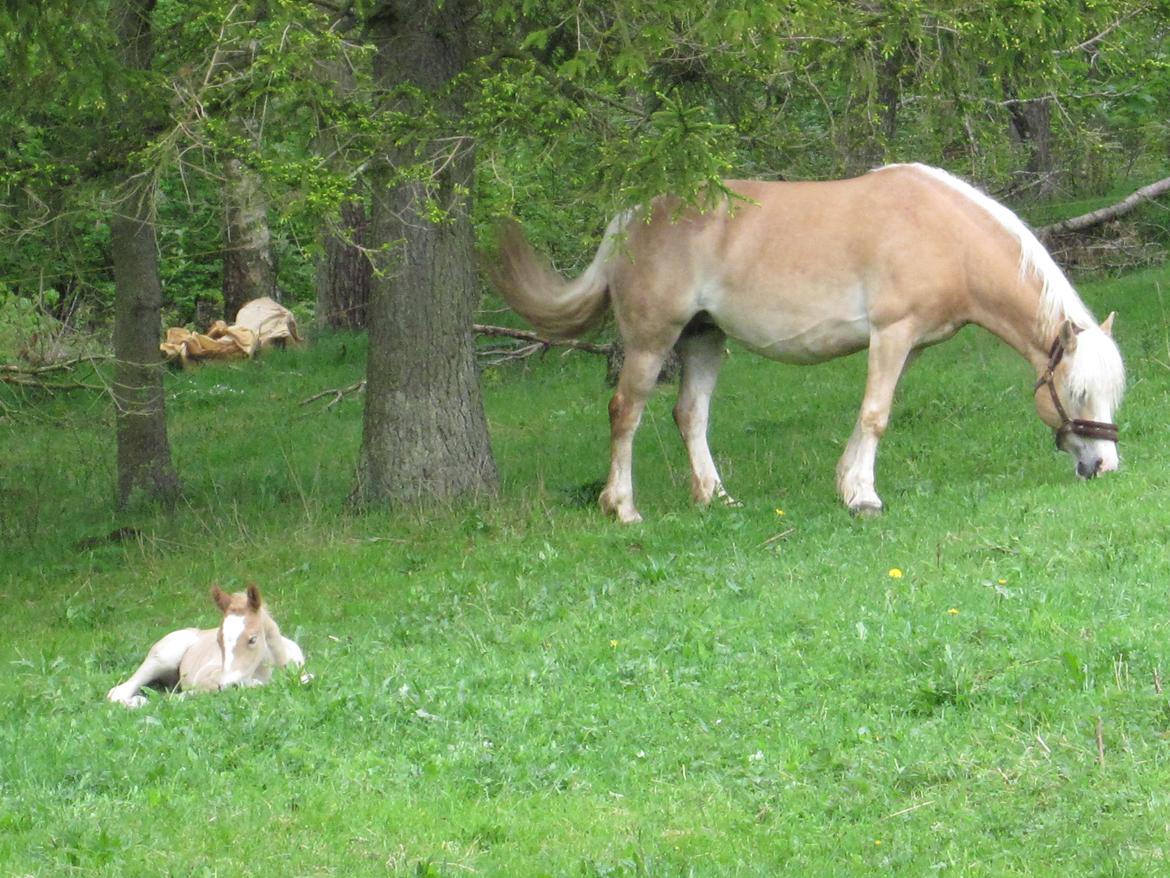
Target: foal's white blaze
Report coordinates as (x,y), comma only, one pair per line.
(233,628)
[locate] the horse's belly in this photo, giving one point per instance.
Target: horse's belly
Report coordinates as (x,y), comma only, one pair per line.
(803,342)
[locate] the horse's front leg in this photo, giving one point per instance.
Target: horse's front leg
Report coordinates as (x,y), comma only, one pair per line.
(161,666)
(888,351)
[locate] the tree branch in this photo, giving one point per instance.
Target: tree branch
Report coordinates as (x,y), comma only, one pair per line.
(1104,214)
(532,337)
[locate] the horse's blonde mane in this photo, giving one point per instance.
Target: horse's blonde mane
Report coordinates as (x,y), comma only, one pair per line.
(1058,300)
(1097,367)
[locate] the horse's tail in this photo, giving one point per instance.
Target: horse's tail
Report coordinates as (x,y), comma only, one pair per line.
(557,308)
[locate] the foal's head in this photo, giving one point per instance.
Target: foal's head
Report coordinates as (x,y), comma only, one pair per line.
(1084,385)
(243,634)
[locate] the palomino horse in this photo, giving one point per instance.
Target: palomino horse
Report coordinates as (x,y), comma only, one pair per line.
(895,260)
(242,651)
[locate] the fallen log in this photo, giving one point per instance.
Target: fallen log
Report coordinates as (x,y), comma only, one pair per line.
(1104,214)
(533,338)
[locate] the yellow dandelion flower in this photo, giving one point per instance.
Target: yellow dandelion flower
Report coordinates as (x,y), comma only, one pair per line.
(1002,581)
(780,512)
(613,644)
(952,612)
(895,573)
(877,842)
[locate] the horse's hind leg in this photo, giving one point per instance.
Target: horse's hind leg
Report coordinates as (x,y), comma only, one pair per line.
(888,352)
(638,377)
(701,354)
(161,666)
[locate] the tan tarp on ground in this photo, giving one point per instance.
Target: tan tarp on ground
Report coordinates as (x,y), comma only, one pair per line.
(258,324)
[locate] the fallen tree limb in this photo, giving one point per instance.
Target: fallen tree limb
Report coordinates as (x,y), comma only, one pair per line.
(498,356)
(41,377)
(1104,214)
(13,368)
(533,338)
(339,393)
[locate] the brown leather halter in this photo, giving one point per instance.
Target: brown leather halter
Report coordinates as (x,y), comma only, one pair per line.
(1078,426)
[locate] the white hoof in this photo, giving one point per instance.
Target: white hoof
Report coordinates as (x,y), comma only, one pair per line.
(126,699)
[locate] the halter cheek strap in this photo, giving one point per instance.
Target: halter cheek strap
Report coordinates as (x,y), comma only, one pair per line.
(1077,426)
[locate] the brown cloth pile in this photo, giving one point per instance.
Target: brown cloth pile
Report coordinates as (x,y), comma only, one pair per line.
(259,324)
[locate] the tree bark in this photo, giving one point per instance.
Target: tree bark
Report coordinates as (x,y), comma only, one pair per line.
(249,267)
(345,274)
(1032,126)
(249,262)
(424,435)
(145,470)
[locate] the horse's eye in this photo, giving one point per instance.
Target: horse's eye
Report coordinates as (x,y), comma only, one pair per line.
(252,640)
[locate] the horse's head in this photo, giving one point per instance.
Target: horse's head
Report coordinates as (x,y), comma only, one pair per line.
(1078,393)
(243,634)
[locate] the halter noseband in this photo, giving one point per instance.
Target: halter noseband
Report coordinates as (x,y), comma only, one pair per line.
(1078,426)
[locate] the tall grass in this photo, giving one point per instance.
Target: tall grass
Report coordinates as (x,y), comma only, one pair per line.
(525,688)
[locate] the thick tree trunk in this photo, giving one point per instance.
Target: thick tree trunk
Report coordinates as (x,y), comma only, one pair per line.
(249,267)
(424,433)
(145,470)
(345,274)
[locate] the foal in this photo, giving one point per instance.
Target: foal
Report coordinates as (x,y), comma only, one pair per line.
(242,651)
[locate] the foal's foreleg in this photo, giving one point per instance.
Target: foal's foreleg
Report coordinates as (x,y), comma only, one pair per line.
(888,351)
(638,376)
(701,355)
(160,666)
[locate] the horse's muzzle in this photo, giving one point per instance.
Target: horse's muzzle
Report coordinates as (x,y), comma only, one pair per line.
(1089,470)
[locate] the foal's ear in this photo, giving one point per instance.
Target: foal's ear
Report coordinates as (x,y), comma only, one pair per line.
(222,599)
(1068,336)
(1107,324)
(253,597)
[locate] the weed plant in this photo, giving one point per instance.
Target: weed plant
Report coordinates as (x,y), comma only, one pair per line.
(971,684)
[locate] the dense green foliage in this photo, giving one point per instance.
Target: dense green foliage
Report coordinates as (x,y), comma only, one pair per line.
(574,112)
(528,689)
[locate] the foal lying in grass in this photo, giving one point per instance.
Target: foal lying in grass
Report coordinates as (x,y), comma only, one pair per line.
(242,651)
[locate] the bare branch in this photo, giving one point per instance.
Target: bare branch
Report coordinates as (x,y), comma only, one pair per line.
(1104,214)
(525,335)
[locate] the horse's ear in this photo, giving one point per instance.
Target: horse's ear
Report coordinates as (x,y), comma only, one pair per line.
(1068,336)
(222,599)
(1107,324)
(253,597)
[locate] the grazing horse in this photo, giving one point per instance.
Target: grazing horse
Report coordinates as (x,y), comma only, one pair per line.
(895,260)
(242,651)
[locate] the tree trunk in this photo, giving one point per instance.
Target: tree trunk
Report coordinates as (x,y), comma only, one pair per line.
(345,274)
(424,433)
(249,267)
(145,470)
(1032,126)
(249,263)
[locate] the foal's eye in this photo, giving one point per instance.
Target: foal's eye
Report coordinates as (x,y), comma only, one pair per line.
(252,640)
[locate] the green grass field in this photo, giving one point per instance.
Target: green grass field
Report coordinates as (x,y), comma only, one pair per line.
(525,688)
